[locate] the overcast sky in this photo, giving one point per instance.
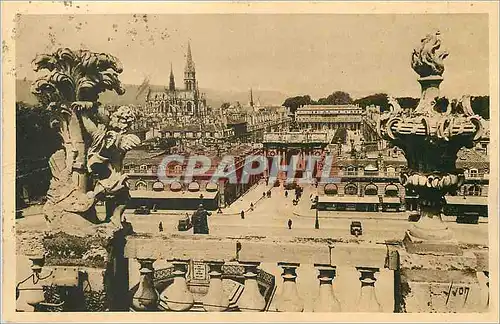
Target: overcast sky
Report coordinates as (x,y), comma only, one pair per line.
(296,54)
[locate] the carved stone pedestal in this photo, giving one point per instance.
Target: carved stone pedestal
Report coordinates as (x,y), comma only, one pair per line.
(438,283)
(417,245)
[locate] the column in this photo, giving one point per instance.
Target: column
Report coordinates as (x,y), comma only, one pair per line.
(177,296)
(251,300)
(215,300)
(368,299)
(326,300)
(146,297)
(289,299)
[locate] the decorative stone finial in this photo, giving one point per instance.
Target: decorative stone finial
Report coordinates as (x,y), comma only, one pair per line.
(427,59)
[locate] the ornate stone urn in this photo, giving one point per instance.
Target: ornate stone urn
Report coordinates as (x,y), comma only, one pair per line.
(431,136)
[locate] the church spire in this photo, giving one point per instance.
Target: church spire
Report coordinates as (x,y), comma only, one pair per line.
(251,97)
(189,60)
(171,86)
(189,71)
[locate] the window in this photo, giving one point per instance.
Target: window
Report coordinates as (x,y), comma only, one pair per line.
(473,173)
(351,189)
(351,170)
(331,189)
(391,190)
(371,190)
(474,190)
(141,185)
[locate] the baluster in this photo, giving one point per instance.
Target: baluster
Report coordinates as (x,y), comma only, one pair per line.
(177,296)
(215,300)
(146,297)
(326,300)
(289,299)
(251,300)
(368,300)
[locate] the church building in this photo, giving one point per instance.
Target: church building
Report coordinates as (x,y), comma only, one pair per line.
(179,104)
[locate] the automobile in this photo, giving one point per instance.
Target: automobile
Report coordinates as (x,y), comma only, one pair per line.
(414,216)
(184,224)
(290,186)
(142,210)
(356,228)
(276,183)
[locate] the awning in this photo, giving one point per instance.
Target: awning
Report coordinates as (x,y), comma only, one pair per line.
(211,187)
(371,167)
(466,200)
(194,186)
(158,185)
(175,186)
(391,200)
(349,199)
(148,194)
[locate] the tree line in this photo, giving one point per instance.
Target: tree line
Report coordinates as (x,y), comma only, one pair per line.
(480,104)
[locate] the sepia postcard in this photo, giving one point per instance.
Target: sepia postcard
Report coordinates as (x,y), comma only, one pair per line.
(302,161)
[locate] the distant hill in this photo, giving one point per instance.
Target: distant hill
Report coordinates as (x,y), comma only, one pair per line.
(215,98)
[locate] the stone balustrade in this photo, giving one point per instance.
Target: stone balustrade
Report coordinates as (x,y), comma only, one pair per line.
(201,273)
(292,259)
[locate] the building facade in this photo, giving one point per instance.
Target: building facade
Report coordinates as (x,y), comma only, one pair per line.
(321,117)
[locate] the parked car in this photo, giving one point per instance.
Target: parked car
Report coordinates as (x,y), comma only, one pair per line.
(356,228)
(290,186)
(414,216)
(142,210)
(184,224)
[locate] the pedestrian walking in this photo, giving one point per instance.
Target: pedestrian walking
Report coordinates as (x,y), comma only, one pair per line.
(289,224)
(160,227)
(286,193)
(242,214)
(251,206)
(219,211)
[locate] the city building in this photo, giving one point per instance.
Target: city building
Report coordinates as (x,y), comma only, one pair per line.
(367,182)
(146,189)
(321,117)
(179,104)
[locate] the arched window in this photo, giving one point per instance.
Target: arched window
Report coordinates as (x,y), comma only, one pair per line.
(391,190)
(141,185)
(331,189)
(351,189)
(474,190)
(189,107)
(371,190)
(391,171)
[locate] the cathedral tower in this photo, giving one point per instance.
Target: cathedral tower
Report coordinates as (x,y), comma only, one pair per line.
(171,85)
(189,71)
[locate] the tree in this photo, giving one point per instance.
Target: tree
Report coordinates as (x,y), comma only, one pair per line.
(298,101)
(336,98)
(408,102)
(377,99)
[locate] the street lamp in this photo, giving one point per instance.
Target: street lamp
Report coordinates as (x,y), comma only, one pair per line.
(316,224)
